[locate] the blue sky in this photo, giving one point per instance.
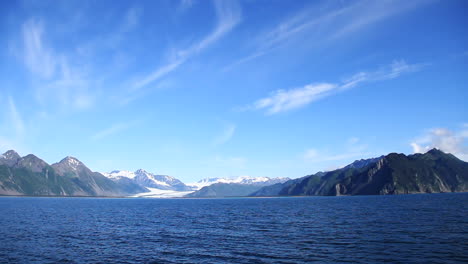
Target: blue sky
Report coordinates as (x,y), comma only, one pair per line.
(199,89)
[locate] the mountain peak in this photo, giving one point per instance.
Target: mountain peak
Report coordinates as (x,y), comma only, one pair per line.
(148,179)
(9,158)
(11,155)
(31,156)
(32,162)
(357,164)
(141,171)
(435,151)
(72,162)
(116,174)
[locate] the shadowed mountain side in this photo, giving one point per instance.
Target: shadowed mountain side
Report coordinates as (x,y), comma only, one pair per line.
(432,172)
(225,190)
(30,175)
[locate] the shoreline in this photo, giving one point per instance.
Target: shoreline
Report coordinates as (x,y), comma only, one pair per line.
(226,197)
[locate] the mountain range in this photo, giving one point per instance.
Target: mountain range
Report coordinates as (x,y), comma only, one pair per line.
(244,180)
(240,186)
(30,175)
(432,172)
(148,179)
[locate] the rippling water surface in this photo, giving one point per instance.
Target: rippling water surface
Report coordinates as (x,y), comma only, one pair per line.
(429,228)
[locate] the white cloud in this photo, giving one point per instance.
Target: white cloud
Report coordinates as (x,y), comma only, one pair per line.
(392,71)
(158,73)
(59,82)
(367,12)
(69,89)
(37,56)
(296,25)
(185,5)
(226,135)
(15,118)
(353,140)
(311,154)
(12,127)
(111,130)
(284,100)
(335,23)
(132,18)
(454,142)
(228,16)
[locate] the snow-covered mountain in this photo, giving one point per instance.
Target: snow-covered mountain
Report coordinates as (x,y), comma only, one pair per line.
(148,179)
(167,186)
(246,180)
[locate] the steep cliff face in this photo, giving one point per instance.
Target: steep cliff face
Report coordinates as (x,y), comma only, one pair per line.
(432,172)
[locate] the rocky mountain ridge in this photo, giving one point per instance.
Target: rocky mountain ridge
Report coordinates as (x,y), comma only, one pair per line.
(30,175)
(228,187)
(148,179)
(432,172)
(243,180)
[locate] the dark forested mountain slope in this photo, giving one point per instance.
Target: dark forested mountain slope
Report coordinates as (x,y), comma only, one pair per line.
(30,175)
(225,190)
(432,172)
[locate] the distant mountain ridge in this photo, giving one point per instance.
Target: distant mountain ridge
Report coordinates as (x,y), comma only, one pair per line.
(147,179)
(228,187)
(30,175)
(245,180)
(432,172)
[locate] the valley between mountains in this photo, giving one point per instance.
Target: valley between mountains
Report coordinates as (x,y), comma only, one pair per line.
(432,172)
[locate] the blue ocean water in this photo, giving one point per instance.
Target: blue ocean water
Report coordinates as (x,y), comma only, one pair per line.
(428,228)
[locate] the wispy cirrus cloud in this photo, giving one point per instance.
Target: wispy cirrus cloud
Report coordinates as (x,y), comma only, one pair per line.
(366,13)
(392,71)
(226,135)
(66,76)
(285,100)
(228,16)
(13,128)
(57,79)
(15,117)
(131,19)
(455,142)
(158,73)
(39,58)
(330,24)
(185,5)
